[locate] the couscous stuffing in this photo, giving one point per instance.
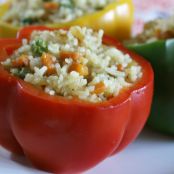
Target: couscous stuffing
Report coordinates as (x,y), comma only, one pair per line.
(73,63)
(158,29)
(27,12)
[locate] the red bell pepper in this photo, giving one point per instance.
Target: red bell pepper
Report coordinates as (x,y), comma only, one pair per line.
(62,135)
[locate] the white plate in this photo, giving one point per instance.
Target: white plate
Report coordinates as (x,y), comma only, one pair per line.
(151,153)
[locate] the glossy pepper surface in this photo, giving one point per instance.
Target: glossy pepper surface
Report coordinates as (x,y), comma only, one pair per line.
(69,136)
(161,55)
(116,19)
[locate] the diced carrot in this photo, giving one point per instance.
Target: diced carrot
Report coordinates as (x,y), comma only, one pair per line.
(69,54)
(81,69)
(120,67)
(51,5)
(110,96)
(47,60)
(158,33)
(99,88)
(21,61)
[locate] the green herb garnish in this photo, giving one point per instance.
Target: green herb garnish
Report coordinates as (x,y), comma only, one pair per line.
(38,47)
(21,72)
(29,21)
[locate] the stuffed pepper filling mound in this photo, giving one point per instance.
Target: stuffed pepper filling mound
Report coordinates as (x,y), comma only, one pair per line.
(73,63)
(26,12)
(158,29)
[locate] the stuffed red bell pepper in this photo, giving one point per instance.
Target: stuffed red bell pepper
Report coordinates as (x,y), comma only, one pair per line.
(72,97)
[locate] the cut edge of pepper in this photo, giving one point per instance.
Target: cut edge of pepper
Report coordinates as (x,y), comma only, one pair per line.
(122,97)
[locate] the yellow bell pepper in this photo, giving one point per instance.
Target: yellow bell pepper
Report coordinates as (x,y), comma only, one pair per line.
(115,19)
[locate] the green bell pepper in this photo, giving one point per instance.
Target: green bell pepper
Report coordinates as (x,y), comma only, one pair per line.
(161,55)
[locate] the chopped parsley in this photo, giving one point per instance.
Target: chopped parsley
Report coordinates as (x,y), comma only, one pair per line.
(29,21)
(21,72)
(38,47)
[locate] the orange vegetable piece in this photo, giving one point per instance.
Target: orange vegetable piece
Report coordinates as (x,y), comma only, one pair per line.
(120,67)
(46,60)
(51,5)
(21,61)
(69,54)
(81,69)
(99,88)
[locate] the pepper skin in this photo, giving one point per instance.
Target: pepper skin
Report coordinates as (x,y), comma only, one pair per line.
(70,136)
(116,19)
(6,136)
(160,53)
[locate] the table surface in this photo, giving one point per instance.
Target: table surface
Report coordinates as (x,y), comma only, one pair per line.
(151,153)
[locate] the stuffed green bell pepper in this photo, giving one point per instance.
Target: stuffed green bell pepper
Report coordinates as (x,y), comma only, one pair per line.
(156,43)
